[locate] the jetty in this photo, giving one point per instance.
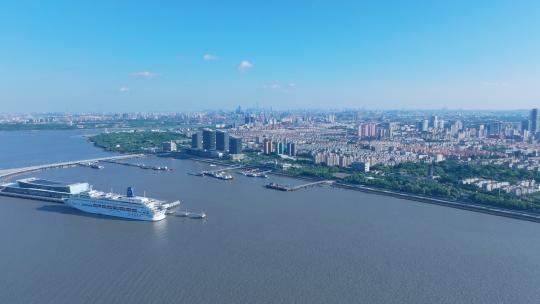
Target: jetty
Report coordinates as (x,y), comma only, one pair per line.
(209,172)
(141,166)
(276,186)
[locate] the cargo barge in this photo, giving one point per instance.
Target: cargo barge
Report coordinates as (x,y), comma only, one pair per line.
(277,186)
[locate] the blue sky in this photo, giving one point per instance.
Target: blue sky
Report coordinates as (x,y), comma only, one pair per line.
(150,56)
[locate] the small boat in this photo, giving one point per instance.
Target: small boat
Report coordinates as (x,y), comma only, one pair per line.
(195,215)
(191,215)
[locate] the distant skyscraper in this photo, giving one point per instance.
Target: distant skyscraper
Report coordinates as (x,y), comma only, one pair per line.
(249,119)
(456,127)
(222,141)
(425,125)
(239,110)
(482,131)
(209,139)
(235,145)
(534,121)
(434,121)
(196,140)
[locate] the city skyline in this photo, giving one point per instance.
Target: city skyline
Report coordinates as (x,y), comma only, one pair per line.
(104,57)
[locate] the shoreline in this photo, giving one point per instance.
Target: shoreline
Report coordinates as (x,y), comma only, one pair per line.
(486,209)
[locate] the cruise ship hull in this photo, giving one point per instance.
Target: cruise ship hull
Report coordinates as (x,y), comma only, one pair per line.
(97,207)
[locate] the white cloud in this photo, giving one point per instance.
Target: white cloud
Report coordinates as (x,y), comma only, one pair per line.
(209,57)
(244,65)
(278,86)
(145,74)
(123,89)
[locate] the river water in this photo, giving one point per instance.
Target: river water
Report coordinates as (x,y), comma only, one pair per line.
(317,245)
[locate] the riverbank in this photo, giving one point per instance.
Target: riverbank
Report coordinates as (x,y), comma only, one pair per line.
(408,196)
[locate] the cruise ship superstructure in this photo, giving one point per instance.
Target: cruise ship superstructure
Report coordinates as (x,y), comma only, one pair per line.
(125,206)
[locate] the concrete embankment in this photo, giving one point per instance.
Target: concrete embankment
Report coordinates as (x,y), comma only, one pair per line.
(454,204)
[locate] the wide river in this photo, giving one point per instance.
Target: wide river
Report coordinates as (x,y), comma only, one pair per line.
(317,245)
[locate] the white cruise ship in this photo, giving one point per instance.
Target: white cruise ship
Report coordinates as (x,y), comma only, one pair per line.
(129,206)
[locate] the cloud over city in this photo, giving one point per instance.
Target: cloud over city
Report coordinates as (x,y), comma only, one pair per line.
(245,65)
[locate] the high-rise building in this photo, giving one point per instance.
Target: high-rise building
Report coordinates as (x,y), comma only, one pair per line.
(495,128)
(196,140)
(235,145)
(332,160)
(267,146)
(367,130)
(168,146)
(440,124)
(456,127)
(318,158)
(434,121)
(534,121)
(279,147)
(291,149)
(209,139)
(422,125)
(425,125)
(222,141)
(345,160)
(482,131)
(392,128)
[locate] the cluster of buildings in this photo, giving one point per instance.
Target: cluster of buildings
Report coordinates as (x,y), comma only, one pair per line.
(331,159)
(349,138)
(521,188)
(279,147)
(215,143)
(343,138)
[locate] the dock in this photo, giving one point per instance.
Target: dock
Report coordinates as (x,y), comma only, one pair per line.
(276,186)
(218,173)
(208,172)
(7,173)
(141,166)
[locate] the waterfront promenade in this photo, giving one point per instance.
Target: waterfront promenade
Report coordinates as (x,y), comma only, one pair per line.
(6,173)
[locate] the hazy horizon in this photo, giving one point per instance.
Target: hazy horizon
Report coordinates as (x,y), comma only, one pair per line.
(381,55)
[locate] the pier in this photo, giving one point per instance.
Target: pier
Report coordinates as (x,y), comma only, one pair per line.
(7,173)
(321,183)
(208,172)
(298,187)
(141,166)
